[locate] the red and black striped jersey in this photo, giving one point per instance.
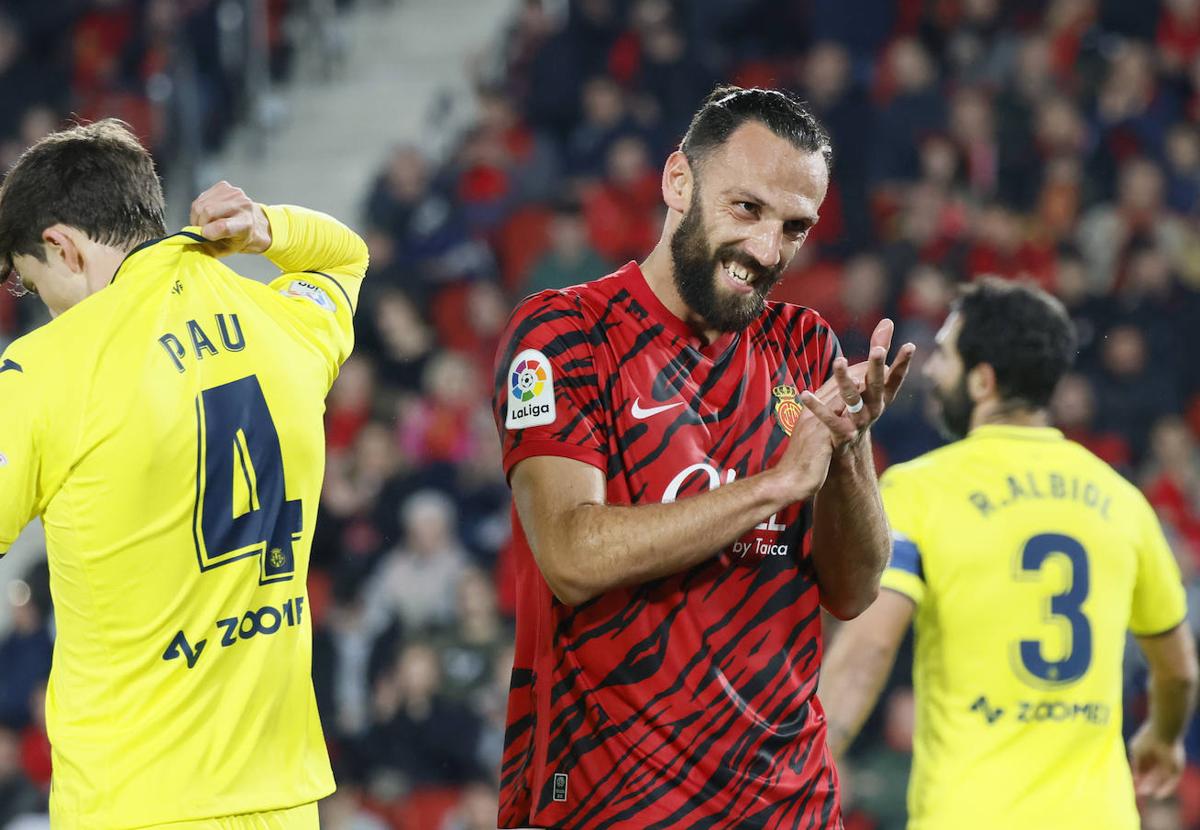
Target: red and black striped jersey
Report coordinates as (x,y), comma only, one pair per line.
(688,701)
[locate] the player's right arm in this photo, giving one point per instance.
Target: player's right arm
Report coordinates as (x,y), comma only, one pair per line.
(1158,620)
(324,262)
(21,427)
(585,547)
(555,439)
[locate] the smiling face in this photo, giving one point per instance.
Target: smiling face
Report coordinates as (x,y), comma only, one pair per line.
(753,202)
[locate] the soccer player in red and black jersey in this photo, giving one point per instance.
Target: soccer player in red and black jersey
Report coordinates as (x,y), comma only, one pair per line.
(684,505)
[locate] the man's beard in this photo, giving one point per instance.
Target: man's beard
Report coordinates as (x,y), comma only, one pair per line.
(954,410)
(696,277)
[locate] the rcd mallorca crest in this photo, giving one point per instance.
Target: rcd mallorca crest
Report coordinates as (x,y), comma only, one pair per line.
(787,408)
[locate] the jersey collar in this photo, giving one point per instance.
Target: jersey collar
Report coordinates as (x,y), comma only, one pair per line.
(644,294)
(1019,432)
(187,236)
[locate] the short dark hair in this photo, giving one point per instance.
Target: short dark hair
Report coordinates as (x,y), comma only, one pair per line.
(94,177)
(728,107)
(1022,332)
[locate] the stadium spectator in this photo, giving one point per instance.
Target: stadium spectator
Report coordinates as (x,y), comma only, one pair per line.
(350,403)
(25,651)
(18,795)
(913,109)
(622,212)
(415,581)
(435,427)
(1107,232)
(606,119)
(829,84)
(417,732)
(1131,394)
(469,649)
(425,224)
(570,257)
(1074,409)
(862,300)
(1171,480)
(36,758)
(402,342)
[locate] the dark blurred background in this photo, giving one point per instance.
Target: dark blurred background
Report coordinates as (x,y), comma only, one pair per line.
(1053,142)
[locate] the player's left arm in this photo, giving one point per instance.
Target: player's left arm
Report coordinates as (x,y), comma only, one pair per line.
(1156,753)
(20,458)
(1158,618)
(851,540)
(857,665)
(324,262)
(296,239)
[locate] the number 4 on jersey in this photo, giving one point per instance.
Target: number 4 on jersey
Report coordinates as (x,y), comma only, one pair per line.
(241,507)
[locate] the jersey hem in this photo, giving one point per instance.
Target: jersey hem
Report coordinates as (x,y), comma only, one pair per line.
(238,812)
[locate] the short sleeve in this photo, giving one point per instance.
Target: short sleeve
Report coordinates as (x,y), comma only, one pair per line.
(20,458)
(905,571)
(546,397)
(1159,603)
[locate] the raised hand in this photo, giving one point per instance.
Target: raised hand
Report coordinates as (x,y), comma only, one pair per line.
(854,398)
(228,217)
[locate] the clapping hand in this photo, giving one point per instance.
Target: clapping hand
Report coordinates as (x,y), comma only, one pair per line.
(854,398)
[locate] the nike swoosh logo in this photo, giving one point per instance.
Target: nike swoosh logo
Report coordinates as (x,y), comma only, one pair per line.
(641,414)
(10,364)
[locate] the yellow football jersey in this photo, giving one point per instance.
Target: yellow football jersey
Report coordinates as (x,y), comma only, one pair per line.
(168,430)
(1028,559)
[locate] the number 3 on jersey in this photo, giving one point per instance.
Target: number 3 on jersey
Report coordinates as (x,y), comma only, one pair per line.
(241,507)
(1066,606)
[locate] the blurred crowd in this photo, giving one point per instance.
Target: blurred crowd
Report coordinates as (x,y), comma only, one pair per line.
(1053,141)
(177,71)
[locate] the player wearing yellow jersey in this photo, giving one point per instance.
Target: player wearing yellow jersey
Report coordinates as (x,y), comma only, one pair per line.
(167,427)
(1022,560)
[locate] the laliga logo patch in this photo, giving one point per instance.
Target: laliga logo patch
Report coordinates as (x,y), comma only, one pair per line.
(530,391)
(308,291)
(528,380)
(787,408)
(3,460)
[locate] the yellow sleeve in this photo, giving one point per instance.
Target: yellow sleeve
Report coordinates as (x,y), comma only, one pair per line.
(21,424)
(905,572)
(324,263)
(1159,603)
